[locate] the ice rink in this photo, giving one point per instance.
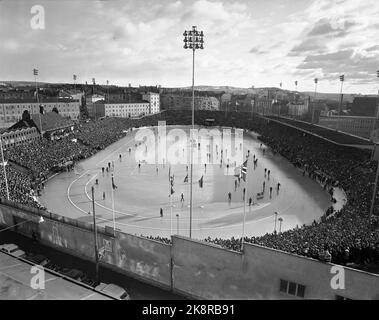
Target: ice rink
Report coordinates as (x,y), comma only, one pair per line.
(142,192)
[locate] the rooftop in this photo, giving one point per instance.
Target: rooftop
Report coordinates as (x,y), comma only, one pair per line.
(50,121)
(41,101)
(15,277)
(121,101)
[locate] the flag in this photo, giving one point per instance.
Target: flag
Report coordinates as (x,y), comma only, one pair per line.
(244,171)
(171,181)
(201,181)
(113,185)
(237,172)
(186,178)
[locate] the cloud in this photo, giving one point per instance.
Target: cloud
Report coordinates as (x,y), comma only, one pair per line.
(246,42)
(307,46)
(257,51)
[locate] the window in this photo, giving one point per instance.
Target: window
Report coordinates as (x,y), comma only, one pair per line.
(283,285)
(300,291)
(292,288)
(342,298)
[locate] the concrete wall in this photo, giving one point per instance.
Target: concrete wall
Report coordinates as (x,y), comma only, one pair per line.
(193,268)
(207,271)
(142,258)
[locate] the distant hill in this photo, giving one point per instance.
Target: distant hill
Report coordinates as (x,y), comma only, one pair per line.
(348,97)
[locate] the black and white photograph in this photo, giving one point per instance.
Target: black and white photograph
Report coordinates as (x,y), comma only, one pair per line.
(195,153)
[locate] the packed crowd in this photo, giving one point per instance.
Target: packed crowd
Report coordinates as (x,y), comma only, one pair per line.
(100,134)
(42,155)
(348,236)
(19,186)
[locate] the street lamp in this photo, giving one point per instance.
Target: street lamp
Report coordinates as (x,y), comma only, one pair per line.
(377,103)
(276,216)
(193,39)
(4,163)
(279,103)
(35,73)
(377,167)
(342,79)
(108,90)
(95,234)
(314,102)
(280,224)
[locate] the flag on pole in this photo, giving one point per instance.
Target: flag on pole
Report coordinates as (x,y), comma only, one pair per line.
(186,178)
(201,181)
(171,181)
(113,185)
(244,171)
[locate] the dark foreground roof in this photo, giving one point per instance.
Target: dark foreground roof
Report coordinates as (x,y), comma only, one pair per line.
(50,121)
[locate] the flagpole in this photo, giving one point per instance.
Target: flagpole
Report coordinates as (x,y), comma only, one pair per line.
(170,196)
(170,214)
(113,215)
(35,72)
(5,171)
(244,207)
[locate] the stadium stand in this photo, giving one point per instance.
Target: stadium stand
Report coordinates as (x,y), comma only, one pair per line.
(350,236)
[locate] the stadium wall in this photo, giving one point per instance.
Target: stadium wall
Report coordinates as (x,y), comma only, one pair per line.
(193,268)
(207,271)
(138,257)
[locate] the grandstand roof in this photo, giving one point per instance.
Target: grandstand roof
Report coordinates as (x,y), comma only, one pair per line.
(336,137)
(50,121)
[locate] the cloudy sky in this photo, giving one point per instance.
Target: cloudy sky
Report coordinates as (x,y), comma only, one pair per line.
(247,42)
